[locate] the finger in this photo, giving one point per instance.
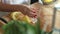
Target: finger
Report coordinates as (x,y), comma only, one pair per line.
(34,10)
(33,15)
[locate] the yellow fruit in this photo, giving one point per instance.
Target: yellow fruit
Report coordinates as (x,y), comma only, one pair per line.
(16,15)
(27,19)
(47,1)
(20,16)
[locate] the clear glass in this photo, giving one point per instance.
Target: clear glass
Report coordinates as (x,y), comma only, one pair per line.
(51,25)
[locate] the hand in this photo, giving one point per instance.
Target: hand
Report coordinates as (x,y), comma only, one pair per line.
(22,8)
(33,13)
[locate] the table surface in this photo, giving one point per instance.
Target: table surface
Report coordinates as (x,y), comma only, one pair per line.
(3,13)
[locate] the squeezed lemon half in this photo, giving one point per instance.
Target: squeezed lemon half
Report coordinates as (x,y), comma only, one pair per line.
(20,16)
(27,19)
(16,15)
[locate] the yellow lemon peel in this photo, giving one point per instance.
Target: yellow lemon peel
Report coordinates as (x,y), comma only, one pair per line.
(20,16)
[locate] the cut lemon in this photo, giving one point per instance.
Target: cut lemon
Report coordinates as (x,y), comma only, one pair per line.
(27,19)
(20,16)
(16,15)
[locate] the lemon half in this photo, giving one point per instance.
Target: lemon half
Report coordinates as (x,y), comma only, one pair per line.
(27,19)
(20,16)
(15,15)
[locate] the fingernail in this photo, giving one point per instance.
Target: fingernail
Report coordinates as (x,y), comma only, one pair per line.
(35,16)
(34,12)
